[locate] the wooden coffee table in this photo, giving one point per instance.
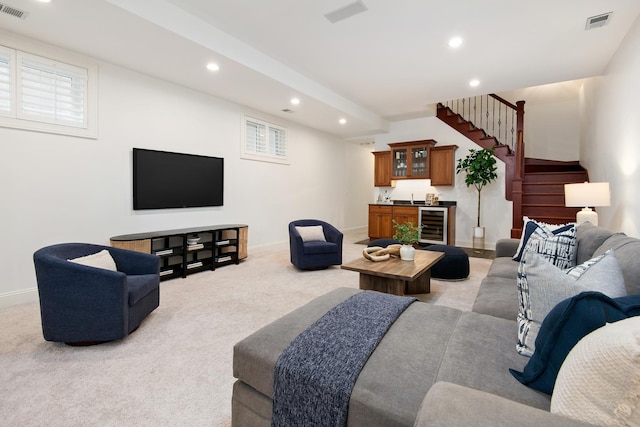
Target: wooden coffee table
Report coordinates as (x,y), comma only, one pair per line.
(395,276)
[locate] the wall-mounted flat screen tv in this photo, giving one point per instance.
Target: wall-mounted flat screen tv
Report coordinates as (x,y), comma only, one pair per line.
(163,180)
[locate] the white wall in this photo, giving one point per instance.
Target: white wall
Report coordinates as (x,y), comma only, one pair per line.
(62,189)
(552,119)
(496,212)
(611,135)
(552,130)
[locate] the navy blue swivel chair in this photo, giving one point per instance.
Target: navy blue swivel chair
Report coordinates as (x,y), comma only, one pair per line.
(82,305)
(315,255)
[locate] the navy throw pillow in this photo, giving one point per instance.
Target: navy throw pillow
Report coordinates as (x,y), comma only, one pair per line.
(564,326)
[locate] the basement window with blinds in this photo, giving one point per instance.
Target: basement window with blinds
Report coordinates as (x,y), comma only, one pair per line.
(264,141)
(41,94)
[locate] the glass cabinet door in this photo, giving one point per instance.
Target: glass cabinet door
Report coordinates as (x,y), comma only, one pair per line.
(399,158)
(419,161)
(410,159)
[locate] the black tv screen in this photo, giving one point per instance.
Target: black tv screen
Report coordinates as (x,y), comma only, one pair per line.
(163,180)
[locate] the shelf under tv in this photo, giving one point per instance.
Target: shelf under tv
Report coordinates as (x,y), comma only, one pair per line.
(218,245)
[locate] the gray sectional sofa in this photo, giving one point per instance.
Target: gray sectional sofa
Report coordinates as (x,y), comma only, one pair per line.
(436,366)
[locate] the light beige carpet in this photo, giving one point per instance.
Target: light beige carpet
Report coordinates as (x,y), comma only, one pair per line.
(176,368)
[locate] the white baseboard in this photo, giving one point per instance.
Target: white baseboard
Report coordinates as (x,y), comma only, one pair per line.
(18,297)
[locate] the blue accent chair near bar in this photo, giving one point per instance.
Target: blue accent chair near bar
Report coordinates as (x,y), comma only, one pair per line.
(315,255)
(84,305)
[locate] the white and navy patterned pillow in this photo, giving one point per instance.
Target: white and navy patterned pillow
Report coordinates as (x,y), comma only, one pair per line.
(541,286)
(557,247)
(533,228)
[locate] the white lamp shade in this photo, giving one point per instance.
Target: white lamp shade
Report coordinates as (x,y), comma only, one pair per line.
(587,194)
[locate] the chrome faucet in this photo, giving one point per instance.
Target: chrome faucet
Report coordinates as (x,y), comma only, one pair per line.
(411,198)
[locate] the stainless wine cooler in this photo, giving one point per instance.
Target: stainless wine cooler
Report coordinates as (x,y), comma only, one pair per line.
(434,221)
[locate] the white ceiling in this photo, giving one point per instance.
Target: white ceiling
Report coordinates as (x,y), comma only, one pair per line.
(388,63)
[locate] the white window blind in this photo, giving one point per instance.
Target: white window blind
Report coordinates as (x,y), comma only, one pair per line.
(42,94)
(264,141)
(7,81)
(256,137)
(51,91)
(279,138)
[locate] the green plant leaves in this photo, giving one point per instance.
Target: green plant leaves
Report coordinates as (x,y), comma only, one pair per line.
(406,233)
(479,166)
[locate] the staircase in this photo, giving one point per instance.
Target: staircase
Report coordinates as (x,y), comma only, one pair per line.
(535,186)
(543,189)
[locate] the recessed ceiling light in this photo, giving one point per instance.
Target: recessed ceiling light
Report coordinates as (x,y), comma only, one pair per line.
(212,66)
(295,101)
(474,83)
(455,42)
(342,121)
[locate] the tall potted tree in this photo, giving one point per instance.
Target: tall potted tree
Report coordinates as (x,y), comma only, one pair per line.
(480,169)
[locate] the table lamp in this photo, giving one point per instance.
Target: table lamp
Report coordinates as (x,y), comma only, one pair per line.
(585,195)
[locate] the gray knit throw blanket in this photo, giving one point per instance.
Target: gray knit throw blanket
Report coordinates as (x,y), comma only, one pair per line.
(315,375)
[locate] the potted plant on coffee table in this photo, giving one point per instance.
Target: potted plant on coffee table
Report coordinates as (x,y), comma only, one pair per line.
(480,169)
(407,234)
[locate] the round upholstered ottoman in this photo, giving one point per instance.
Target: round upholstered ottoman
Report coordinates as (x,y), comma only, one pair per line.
(454,265)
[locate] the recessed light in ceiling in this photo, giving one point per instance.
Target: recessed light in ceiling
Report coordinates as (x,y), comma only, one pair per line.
(346,12)
(474,83)
(212,66)
(295,101)
(342,121)
(455,42)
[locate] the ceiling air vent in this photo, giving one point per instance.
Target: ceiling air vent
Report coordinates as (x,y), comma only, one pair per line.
(346,12)
(598,21)
(286,110)
(10,10)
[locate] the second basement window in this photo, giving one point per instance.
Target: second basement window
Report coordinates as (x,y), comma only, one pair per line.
(264,141)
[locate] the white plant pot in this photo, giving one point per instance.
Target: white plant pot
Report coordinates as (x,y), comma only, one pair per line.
(478,239)
(407,252)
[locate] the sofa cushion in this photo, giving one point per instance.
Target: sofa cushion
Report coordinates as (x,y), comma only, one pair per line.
(498,297)
(626,250)
(506,247)
(589,238)
(453,405)
(556,242)
(479,354)
(542,286)
(315,247)
(504,267)
(564,326)
(598,382)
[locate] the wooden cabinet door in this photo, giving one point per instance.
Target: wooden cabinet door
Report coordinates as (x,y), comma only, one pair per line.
(382,169)
(380,225)
(441,164)
(402,214)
